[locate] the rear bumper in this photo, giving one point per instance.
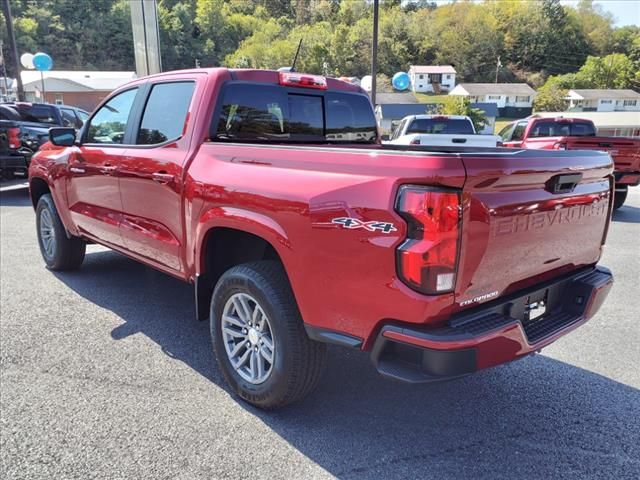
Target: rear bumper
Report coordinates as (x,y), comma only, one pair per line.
(493,334)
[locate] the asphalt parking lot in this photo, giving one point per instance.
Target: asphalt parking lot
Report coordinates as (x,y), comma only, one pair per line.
(106,374)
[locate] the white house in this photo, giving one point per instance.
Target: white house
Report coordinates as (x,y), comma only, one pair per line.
(514,100)
(432,78)
(592,100)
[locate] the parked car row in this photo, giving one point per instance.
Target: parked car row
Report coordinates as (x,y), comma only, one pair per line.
(24,127)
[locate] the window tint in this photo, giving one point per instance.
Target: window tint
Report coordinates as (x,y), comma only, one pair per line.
(110,121)
(36,113)
(82,116)
(68,118)
(253,112)
(349,118)
(559,129)
(505,133)
(441,125)
(518,132)
(165,113)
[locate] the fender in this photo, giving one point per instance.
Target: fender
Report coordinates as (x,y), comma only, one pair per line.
(58,195)
(239,219)
(244,220)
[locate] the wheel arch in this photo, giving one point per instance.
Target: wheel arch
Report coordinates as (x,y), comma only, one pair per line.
(228,237)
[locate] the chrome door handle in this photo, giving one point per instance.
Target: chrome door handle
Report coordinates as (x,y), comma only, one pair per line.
(162,177)
(108,169)
(76,170)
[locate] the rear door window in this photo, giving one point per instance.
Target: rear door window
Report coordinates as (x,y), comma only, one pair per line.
(269,113)
(165,114)
(69,118)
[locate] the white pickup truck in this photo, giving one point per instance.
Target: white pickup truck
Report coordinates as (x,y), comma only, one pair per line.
(440,130)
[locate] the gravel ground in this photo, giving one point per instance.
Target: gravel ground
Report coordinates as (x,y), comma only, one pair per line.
(106,374)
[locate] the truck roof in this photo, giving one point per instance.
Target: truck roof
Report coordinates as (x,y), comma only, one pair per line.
(248,75)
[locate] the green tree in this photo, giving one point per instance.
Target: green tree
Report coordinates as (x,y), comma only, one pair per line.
(613,71)
(456,105)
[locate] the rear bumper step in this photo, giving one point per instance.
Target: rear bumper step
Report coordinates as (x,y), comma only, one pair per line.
(499,332)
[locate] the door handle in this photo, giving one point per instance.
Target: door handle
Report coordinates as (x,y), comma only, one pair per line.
(76,170)
(108,169)
(162,177)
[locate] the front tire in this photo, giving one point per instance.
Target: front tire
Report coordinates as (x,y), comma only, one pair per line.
(58,251)
(259,338)
(620,196)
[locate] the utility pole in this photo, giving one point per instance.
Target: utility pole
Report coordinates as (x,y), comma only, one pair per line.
(498,65)
(6,9)
(374,53)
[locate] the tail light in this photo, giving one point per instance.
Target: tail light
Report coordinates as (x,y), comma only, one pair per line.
(13,135)
(560,146)
(293,79)
(427,260)
(415,141)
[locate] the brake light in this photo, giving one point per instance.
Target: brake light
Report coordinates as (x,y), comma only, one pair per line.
(13,135)
(427,260)
(560,146)
(294,79)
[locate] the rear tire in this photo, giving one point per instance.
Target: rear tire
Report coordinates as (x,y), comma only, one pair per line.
(620,196)
(252,303)
(58,251)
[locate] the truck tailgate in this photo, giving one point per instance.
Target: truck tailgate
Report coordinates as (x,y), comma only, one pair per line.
(624,151)
(522,226)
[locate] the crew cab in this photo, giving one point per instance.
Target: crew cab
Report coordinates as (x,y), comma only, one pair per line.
(440,130)
(24,127)
(560,133)
(271,193)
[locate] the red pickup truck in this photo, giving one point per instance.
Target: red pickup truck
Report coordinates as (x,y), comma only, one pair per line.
(272,194)
(560,133)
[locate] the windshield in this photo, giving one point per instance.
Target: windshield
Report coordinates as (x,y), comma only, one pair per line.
(269,113)
(441,125)
(563,129)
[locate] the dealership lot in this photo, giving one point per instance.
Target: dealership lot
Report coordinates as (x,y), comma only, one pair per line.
(106,374)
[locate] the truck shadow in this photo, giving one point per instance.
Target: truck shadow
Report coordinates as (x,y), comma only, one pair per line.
(626,214)
(538,417)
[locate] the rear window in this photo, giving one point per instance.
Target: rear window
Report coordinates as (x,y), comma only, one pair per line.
(36,113)
(563,129)
(266,113)
(441,125)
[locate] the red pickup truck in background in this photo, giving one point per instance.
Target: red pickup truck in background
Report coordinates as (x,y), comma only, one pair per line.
(271,193)
(578,134)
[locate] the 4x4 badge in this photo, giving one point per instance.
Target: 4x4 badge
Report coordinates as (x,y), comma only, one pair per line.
(352,223)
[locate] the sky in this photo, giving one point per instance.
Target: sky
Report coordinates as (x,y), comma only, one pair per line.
(625,12)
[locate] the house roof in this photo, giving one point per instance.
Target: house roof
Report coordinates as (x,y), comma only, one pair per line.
(602,119)
(395,97)
(56,85)
(595,94)
(493,89)
(432,69)
(78,80)
(396,111)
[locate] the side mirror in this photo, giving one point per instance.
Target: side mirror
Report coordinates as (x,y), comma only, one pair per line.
(62,136)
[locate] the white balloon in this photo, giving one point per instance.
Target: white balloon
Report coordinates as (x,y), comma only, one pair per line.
(26,59)
(366,82)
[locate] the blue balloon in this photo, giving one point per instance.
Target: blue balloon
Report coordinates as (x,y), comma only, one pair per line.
(42,62)
(400,81)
